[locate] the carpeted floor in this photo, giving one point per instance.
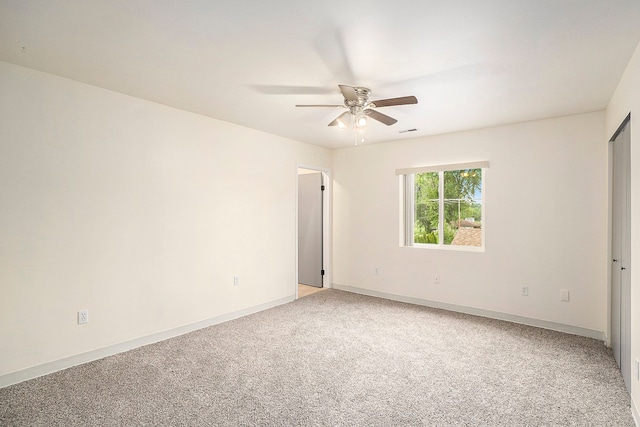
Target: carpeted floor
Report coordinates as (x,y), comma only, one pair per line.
(338,359)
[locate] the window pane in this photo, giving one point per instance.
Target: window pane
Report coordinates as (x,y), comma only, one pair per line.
(426,208)
(463,207)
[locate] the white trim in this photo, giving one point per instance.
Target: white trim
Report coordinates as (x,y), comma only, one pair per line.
(635,413)
(574,330)
(609,325)
(408,204)
(458,248)
(441,211)
(438,168)
(89,356)
(484,204)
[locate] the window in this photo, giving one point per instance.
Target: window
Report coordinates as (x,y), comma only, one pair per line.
(443,205)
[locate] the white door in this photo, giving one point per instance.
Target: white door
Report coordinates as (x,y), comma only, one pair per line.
(621,251)
(310,269)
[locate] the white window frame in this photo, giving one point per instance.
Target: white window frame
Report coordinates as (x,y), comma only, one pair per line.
(407,205)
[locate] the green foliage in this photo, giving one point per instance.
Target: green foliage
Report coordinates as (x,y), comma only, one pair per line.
(449,233)
(423,237)
(461,188)
(426,207)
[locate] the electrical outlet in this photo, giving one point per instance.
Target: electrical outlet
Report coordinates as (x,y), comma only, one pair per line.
(436,279)
(377,271)
(236,280)
(637,370)
(83,316)
(525,291)
(564,295)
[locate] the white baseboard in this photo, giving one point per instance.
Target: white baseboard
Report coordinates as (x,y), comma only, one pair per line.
(574,330)
(635,413)
(78,359)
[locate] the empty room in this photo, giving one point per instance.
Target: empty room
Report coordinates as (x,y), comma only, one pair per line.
(285,213)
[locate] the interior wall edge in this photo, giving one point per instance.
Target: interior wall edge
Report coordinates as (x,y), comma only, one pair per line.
(554,326)
(90,356)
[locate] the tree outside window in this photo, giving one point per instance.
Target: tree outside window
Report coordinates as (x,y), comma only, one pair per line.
(448,207)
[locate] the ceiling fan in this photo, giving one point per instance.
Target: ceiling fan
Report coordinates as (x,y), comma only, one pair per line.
(356,100)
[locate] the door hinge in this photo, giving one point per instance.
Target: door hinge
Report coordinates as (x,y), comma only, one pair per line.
(322,272)
(322,188)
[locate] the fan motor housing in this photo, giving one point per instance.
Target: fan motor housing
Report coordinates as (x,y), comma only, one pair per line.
(363,98)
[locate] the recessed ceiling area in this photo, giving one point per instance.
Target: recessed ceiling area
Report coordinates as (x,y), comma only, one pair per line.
(470,64)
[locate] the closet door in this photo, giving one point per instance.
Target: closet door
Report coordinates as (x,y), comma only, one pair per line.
(621,251)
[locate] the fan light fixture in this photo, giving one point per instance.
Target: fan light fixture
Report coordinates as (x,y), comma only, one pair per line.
(356,101)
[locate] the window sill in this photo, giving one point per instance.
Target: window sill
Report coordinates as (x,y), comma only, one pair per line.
(448,248)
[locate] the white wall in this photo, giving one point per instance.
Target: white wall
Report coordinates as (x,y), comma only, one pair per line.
(143,213)
(546,222)
(627,100)
(138,212)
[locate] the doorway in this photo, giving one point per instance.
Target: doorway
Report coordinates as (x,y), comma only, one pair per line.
(621,250)
(312,227)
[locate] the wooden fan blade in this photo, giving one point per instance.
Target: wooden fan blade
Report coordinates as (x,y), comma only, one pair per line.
(320,105)
(382,118)
(348,92)
(339,118)
(404,100)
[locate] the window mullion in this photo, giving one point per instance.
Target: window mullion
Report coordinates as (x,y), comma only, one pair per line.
(409,209)
(441,208)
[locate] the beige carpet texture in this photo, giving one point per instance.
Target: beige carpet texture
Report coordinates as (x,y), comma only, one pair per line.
(338,359)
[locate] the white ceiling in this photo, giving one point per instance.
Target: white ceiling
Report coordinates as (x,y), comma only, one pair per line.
(470,63)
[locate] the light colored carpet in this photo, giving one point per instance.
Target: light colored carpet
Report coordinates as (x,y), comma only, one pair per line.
(338,359)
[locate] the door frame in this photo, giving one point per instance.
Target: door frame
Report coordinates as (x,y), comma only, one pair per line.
(624,346)
(326,225)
